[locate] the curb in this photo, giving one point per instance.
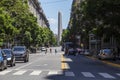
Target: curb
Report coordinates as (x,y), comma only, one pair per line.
(106,62)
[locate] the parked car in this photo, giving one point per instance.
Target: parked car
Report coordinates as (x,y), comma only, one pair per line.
(106,54)
(3,60)
(21,53)
(43,49)
(80,51)
(87,52)
(10,57)
(67,46)
(72,51)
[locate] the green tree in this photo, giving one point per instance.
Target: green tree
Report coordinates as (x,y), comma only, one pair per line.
(7,30)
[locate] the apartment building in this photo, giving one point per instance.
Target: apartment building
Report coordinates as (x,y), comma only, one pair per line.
(36,9)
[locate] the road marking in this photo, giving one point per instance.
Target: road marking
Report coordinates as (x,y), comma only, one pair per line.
(69,74)
(35,73)
(69,60)
(63,64)
(52,72)
(5,72)
(112,64)
(106,62)
(106,75)
(118,74)
(87,74)
(27,64)
(19,72)
(66,66)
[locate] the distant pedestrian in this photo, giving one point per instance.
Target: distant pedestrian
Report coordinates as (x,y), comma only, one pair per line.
(50,50)
(55,51)
(114,54)
(46,51)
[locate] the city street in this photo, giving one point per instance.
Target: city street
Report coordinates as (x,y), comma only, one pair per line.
(53,66)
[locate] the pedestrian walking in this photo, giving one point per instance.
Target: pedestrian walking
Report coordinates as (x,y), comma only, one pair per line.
(50,50)
(55,51)
(114,54)
(46,51)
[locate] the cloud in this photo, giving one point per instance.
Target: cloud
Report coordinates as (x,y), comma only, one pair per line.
(53,25)
(52,21)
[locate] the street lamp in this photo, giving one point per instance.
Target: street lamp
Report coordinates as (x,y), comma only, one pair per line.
(90,39)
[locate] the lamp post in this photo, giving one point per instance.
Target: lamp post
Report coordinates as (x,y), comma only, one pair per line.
(90,39)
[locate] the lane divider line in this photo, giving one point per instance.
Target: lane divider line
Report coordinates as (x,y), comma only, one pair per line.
(64,65)
(62,62)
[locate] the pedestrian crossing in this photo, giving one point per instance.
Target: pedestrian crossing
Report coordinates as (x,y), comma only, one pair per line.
(35,73)
(87,74)
(64,73)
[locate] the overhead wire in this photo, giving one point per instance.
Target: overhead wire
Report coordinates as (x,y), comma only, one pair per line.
(53,2)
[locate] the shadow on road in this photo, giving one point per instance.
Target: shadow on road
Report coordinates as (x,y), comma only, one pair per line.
(66,74)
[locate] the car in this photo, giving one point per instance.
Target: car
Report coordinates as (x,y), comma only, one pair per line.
(21,53)
(10,57)
(72,51)
(87,52)
(67,46)
(106,54)
(43,49)
(80,50)
(3,60)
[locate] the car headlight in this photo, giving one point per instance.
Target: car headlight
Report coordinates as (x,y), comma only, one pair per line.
(8,59)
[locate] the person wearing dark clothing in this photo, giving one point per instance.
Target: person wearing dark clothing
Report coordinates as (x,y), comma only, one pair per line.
(50,50)
(46,51)
(55,51)
(114,54)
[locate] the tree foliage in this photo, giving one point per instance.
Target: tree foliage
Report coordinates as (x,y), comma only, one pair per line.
(100,17)
(19,24)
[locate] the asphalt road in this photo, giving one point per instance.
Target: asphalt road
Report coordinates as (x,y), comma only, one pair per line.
(53,66)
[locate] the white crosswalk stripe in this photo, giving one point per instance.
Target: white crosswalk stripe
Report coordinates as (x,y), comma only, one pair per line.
(118,74)
(52,72)
(55,72)
(87,74)
(5,72)
(69,74)
(35,73)
(106,75)
(21,72)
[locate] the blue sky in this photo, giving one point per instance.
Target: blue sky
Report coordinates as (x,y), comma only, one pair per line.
(51,8)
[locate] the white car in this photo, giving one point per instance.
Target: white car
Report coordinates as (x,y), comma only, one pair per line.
(106,54)
(87,52)
(43,49)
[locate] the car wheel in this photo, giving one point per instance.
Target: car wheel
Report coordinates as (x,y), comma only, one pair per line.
(12,64)
(2,67)
(99,58)
(6,65)
(25,60)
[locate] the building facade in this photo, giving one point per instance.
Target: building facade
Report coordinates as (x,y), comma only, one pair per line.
(37,11)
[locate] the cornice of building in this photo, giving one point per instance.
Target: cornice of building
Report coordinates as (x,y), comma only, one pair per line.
(38,7)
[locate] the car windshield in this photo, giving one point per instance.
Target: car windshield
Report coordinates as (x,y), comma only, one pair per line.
(19,49)
(8,52)
(107,51)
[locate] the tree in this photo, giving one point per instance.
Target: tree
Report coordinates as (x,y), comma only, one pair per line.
(7,31)
(21,25)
